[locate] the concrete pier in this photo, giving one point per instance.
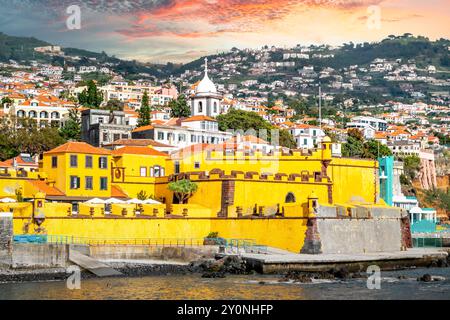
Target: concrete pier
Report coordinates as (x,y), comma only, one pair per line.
(282,261)
(98,268)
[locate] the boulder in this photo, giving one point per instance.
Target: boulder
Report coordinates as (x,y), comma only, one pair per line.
(425,278)
(341,273)
(212,274)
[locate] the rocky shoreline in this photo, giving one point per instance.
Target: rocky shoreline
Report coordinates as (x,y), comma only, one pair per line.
(207,268)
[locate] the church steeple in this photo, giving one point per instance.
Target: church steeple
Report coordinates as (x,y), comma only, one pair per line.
(206,100)
(206,86)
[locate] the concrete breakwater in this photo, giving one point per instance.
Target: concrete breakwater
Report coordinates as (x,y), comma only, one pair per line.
(49,262)
(46,262)
(284,263)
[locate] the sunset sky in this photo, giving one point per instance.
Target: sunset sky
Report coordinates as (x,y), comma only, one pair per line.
(182,30)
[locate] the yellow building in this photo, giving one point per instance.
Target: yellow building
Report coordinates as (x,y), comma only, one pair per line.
(79,170)
(136,169)
(241,194)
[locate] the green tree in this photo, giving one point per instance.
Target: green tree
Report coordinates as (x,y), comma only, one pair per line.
(6,100)
(411,166)
(114,105)
(25,136)
(251,121)
(287,140)
(300,106)
(92,97)
(144,112)
(179,107)
(72,128)
(354,147)
(242,120)
(374,149)
(183,189)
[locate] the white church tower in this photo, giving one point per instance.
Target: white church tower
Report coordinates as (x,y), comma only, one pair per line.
(206,100)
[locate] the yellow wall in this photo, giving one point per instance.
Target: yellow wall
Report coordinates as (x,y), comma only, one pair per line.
(286,234)
(354,178)
(258,162)
(132,183)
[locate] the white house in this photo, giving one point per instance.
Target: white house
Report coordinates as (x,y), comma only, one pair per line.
(184,132)
(307,136)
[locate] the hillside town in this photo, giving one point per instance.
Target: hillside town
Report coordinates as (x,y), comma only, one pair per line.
(307,106)
(238,151)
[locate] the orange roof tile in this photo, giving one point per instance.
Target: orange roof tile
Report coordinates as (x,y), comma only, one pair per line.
(78,147)
(249,138)
(138,150)
(199,147)
(198,118)
(143,128)
(42,186)
(117,192)
(137,143)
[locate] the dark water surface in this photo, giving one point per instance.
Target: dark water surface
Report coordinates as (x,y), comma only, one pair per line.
(236,287)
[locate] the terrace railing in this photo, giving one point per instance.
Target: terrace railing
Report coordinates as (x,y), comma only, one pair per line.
(231,245)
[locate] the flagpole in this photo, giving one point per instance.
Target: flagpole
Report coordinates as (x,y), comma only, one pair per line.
(320,106)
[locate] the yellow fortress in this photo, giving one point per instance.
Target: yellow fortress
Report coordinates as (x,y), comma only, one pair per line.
(301,201)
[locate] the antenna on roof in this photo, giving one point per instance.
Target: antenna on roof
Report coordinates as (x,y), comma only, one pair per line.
(320,105)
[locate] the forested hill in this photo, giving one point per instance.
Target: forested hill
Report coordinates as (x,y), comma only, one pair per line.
(423,51)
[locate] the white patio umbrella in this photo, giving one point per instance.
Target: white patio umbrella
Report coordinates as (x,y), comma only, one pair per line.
(113,201)
(151,201)
(7,200)
(95,201)
(135,201)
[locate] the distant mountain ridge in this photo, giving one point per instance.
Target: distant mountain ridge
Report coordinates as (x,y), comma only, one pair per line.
(421,49)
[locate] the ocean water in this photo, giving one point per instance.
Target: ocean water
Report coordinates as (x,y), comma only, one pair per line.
(181,287)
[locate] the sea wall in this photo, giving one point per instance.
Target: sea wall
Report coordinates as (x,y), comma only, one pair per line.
(140,252)
(26,255)
(360,235)
(6,234)
(340,228)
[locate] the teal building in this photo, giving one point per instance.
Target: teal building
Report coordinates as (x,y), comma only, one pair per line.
(386,175)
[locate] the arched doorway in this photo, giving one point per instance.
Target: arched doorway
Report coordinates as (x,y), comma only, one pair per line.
(290,198)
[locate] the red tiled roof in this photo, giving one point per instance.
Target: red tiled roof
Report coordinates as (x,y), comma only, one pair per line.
(199,147)
(138,150)
(198,118)
(9,163)
(144,128)
(42,186)
(117,192)
(249,138)
(78,147)
(138,143)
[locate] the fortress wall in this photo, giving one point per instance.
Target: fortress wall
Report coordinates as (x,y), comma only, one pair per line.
(281,233)
(286,234)
(354,179)
(360,235)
